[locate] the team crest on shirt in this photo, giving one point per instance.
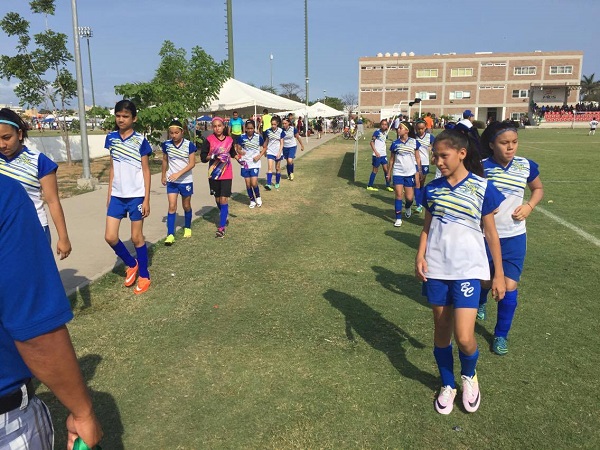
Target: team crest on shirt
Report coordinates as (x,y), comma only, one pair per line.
(518,165)
(471,188)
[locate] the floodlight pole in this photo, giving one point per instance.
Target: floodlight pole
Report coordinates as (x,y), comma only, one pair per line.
(230,39)
(86,180)
(271,64)
(87,33)
(306,59)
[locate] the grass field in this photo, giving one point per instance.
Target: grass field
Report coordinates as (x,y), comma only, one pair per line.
(305,327)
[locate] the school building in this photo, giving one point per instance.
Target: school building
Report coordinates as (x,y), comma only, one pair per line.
(496,85)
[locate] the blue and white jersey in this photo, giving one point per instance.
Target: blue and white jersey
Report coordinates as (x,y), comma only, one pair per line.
(274,138)
(379,138)
(455,243)
(28,167)
(593,124)
(252,146)
(426,144)
(289,137)
(404,157)
(128,179)
(511,181)
(179,158)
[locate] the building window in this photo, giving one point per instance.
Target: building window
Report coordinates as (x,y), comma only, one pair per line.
(520,93)
(459,95)
(525,70)
(402,66)
(424,95)
(516,116)
(485,87)
(461,72)
(427,73)
(560,70)
(399,89)
(499,87)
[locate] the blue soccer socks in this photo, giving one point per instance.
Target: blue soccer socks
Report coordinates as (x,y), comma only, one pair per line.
(506,312)
(188,218)
(250,194)
(398,208)
(445,363)
(468,363)
(142,257)
(372,178)
(277,177)
(223,215)
(122,252)
(171,223)
(269,178)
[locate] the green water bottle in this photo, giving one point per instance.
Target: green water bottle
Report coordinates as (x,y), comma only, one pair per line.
(80,445)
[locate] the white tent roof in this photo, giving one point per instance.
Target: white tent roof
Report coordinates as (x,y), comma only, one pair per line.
(321,109)
(237,95)
(316,110)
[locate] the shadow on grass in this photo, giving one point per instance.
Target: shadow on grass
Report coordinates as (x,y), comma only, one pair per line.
(401,284)
(346,170)
(82,289)
(105,407)
(403,237)
(380,334)
(485,334)
(374,211)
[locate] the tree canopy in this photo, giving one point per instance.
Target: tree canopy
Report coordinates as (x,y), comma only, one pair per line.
(180,87)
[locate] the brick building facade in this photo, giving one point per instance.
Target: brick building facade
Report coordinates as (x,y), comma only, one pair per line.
(496,85)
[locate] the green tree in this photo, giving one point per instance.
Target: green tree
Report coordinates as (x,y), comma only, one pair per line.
(180,88)
(335,103)
(40,64)
(589,88)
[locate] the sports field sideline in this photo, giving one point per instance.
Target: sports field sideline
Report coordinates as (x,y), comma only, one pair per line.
(305,327)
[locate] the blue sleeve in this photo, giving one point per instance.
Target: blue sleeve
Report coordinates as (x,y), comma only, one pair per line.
(261,141)
(375,135)
(240,141)
(265,136)
(193,148)
(163,146)
(33,301)
(107,142)
(295,131)
(431,139)
(282,134)
(534,171)
(45,166)
(418,145)
(491,199)
(393,147)
(425,195)
(145,148)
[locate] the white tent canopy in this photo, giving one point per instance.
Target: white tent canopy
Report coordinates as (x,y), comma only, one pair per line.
(317,110)
(242,97)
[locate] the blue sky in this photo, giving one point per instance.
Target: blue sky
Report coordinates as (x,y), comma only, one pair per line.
(128,35)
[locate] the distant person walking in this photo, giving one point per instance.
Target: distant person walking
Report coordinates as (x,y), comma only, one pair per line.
(379,157)
(593,126)
(291,139)
(128,193)
(236,126)
(273,142)
(266,120)
(250,149)
(179,158)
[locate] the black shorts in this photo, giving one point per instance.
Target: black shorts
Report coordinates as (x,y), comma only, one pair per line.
(220,188)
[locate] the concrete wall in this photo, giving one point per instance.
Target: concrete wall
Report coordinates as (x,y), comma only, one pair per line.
(54,147)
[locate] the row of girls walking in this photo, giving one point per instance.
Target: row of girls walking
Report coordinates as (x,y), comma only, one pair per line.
(129,177)
(474,235)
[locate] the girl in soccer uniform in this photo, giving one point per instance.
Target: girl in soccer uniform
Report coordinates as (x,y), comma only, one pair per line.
(217,151)
(36,173)
(510,174)
(425,140)
(406,163)
(379,156)
(250,148)
(179,158)
(291,138)
(451,260)
(128,193)
(273,142)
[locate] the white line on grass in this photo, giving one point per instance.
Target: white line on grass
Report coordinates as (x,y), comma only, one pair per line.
(572,181)
(588,237)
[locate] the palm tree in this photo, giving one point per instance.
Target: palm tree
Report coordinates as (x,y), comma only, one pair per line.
(589,87)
